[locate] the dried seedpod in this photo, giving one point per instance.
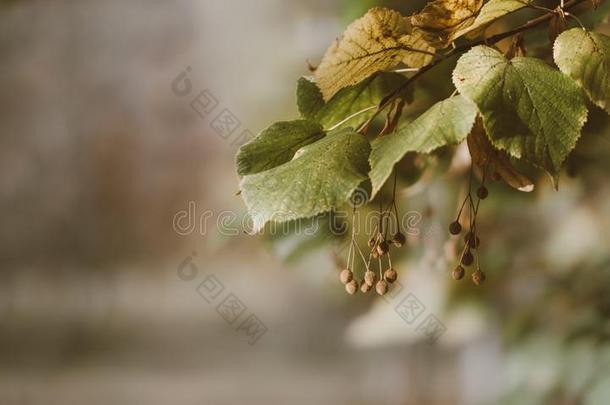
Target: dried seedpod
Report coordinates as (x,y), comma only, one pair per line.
(458,273)
(399,239)
(346,276)
(455,228)
(467,258)
(472,240)
(351,287)
(375,254)
(381,287)
(478,277)
(372,242)
(364,288)
(390,275)
(482,192)
(370,277)
(382,248)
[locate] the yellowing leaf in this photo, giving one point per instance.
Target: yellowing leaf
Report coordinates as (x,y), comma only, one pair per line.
(440,20)
(486,156)
(585,57)
(491,11)
(378,41)
(416,41)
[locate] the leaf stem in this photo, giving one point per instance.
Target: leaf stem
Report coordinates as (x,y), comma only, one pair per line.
(406,70)
(338,124)
(575,18)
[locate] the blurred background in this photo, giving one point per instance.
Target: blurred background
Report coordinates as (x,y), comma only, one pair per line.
(127,277)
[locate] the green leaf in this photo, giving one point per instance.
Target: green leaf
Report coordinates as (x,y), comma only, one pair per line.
(447,122)
(320,178)
(348,101)
(529,109)
(309,98)
(491,11)
(585,57)
(276,145)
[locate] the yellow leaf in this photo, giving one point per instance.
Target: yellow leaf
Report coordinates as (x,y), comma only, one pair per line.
(416,41)
(440,20)
(490,12)
(378,41)
(493,160)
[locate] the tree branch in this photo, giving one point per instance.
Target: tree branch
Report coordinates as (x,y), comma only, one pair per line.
(387,100)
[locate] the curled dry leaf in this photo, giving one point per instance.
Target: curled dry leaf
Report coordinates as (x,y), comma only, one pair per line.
(490,12)
(485,155)
(393,118)
(441,20)
(516,47)
(558,24)
(378,41)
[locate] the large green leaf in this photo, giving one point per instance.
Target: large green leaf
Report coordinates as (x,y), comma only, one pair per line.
(491,11)
(585,57)
(276,145)
(320,178)
(529,109)
(446,122)
(347,101)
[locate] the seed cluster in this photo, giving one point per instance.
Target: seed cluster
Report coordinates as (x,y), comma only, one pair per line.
(379,250)
(381,280)
(380,246)
(470,251)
